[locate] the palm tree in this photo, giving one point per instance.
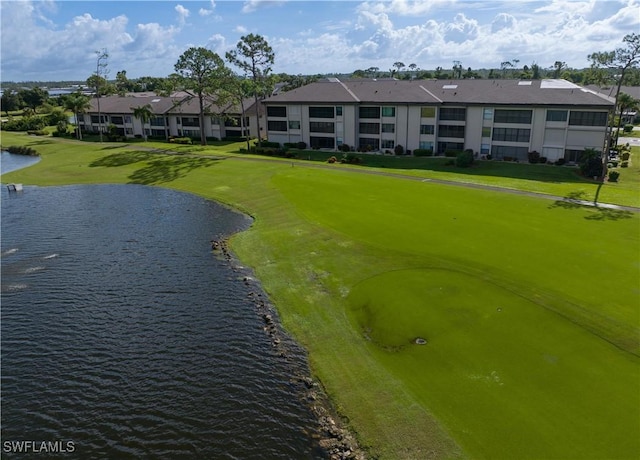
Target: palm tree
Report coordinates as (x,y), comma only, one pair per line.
(78,103)
(144,114)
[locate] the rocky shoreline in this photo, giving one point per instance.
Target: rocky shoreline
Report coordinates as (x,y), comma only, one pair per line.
(334,438)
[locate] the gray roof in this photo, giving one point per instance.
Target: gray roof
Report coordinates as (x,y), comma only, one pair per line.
(633,91)
(446,92)
(126,104)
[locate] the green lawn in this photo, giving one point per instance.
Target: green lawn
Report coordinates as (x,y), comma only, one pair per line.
(529,307)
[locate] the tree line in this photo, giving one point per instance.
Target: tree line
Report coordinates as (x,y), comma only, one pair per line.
(203,74)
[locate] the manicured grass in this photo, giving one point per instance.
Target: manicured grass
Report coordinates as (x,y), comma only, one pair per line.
(529,306)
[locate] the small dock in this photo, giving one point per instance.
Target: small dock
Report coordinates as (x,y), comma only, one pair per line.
(14,187)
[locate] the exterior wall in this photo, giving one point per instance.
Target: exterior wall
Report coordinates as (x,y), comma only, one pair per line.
(549,138)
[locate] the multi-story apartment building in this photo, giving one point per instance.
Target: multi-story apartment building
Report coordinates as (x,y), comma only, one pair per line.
(504,118)
(177,115)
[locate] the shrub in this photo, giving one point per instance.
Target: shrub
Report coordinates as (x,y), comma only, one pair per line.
(464,159)
(181,140)
(613,176)
(451,153)
(351,159)
(624,164)
(625,156)
(627,128)
(423,152)
(37,132)
(302,145)
(542,160)
(21,150)
(332,160)
(399,150)
(534,157)
(29,123)
(275,145)
(591,163)
(345,148)
(560,161)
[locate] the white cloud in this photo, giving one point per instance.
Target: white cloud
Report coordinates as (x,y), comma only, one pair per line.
(208,12)
(241,29)
(183,14)
(253,5)
(218,44)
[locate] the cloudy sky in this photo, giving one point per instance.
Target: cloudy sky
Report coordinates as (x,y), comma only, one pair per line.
(57,40)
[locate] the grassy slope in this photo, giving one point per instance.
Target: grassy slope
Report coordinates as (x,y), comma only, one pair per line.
(320,235)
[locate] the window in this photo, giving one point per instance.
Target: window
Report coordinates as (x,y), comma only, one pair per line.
(499,152)
(293,124)
(486,132)
(190,121)
(388,143)
(485,149)
(511,134)
(322,127)
(275,111)
(235,122)
(556,115)
(215,121)
(369,143)
(426,145)
(369,128)
(339,111)
(369,112)
(157,121)
(116,120)
(573,156)
(487,114)
(427,129)
(94,119)
(455,146)
(321,142)
(388,128)
(127,118)
(450,131)
(588,118)
(428,112)
(388,111)
(512,116)
(453,113)
(320,112)
(277,125)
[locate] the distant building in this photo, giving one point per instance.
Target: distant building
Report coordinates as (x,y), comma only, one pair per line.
(502,118)
(174,116)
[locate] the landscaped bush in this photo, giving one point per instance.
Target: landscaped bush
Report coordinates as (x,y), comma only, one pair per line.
(451,153)
(591,163)
(21,150)
(613,176)
(560,162)
(302,145)
(423,152)
(399,150)
(30,123)
(627,128)
(534,157)
(344,148)
(542,160)
(332,160)
(37,132)
(351,159)
(624,164)
(181,140)
(275,145)
(625,156)
(464,159)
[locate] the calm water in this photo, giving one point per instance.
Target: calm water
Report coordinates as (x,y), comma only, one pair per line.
(10,162)
(123,333)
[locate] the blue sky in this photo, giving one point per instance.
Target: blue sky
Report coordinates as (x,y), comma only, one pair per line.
(56,40)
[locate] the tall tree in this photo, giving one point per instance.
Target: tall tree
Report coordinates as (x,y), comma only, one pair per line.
(98,81)
(144,113)
(34,97)
(78,103)
(254,57)
(201,73)
(619,62)
(558,67)
(10,101)
(457,69)
(123,84)
(625,102)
